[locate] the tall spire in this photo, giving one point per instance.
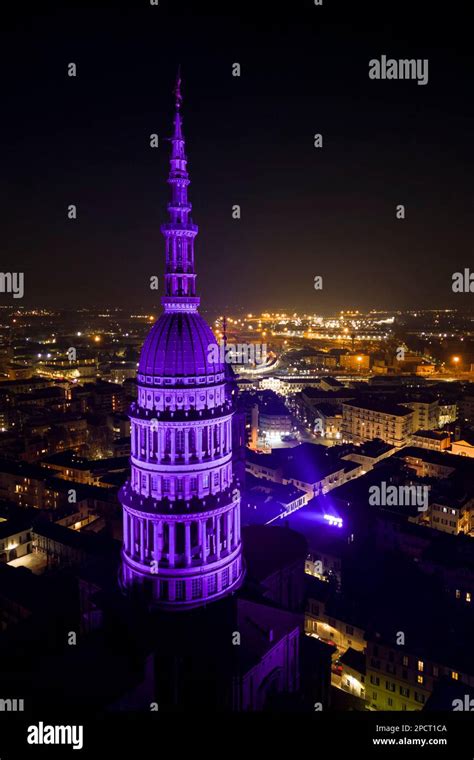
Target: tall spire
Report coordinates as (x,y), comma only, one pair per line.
(177,89)
(179,232)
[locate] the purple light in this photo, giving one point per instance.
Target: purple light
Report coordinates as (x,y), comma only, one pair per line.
(337,521)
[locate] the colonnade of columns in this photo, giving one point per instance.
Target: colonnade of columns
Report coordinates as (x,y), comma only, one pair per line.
(189,590)
(180,444)
(184,542)
(177,486)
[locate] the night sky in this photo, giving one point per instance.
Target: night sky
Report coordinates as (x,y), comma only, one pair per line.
(305,211)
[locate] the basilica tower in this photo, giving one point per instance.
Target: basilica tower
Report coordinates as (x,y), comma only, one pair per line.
(181,506)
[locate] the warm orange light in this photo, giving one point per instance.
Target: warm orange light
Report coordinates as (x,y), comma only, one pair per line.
(456,359)
(97,338)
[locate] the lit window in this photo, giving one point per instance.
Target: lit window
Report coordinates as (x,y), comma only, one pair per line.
(420,679)
(420,666)
(455,676)
(468,596)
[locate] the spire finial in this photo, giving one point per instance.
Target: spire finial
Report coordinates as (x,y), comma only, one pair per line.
(224,330)
(177,89)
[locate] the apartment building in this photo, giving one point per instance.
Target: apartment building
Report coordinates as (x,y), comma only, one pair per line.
(364,421)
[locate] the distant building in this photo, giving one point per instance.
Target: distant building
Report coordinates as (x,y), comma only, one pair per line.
(274,421)
(451,515)
(436,440)
(15,538)
(353,672)
(310,467)
(265,502)
(426,413)
(363,421)
(464,448)
(428,463)
(355,362)
(425,369)
(448,412)
(371,453)
(328,421)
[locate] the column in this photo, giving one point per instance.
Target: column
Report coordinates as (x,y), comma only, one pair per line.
(156,547)
(222,437)
(187,543)
(234,536)
(171,544)
(161,537)
(228,519)
(218,536)
(199,443)
(132,536)
(200,536)
(173,445)
(146,524)
(142,540)
(125,531)
(187,487)
(161,434)
(203,540)
(186,446)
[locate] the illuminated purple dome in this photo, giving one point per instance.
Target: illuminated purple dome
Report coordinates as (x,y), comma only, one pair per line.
(181,506)
(180,345)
